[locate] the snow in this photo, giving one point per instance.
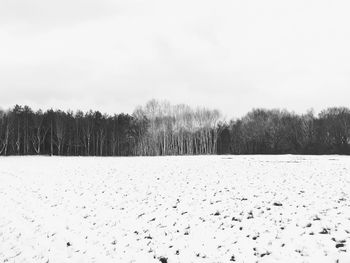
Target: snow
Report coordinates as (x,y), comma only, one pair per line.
(175,209)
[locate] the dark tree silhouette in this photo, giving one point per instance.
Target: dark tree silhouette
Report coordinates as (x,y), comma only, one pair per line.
(159,128)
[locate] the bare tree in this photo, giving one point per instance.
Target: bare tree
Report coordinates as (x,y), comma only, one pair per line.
(60,131)
(39,131)
(5,127)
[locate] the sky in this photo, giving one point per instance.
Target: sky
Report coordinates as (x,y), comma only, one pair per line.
(232,55)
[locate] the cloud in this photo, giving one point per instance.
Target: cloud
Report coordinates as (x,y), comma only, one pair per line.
(231,55)
(45,14)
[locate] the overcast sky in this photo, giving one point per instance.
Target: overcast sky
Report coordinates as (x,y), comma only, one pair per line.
(233,55)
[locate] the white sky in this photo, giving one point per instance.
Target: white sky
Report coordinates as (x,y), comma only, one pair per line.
(233,55)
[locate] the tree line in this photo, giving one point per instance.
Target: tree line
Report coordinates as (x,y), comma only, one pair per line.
(159,128)
(281,132)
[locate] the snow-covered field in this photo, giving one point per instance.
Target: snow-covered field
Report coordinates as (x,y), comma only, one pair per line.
(175,209)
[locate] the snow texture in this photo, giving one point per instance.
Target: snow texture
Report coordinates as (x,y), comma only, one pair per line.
(175,209)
